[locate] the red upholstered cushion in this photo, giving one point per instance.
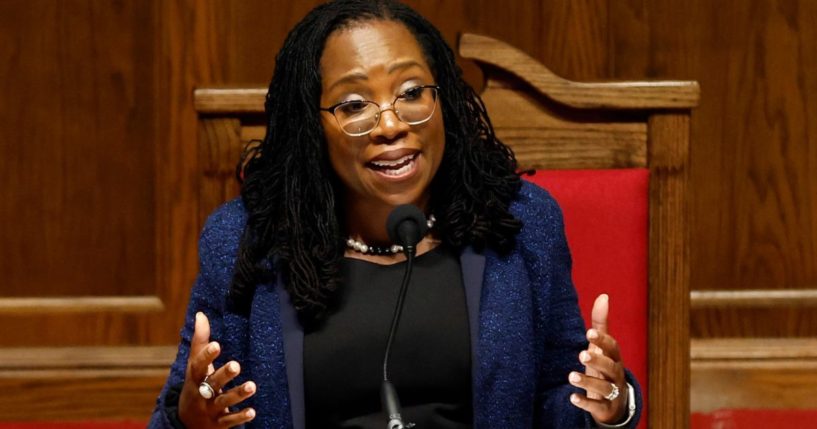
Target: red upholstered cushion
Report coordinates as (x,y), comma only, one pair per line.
(118,424)
(753,418)
(606,220)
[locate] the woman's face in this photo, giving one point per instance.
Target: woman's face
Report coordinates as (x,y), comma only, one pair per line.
(395,163)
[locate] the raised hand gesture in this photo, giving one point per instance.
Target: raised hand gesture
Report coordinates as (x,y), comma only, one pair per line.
(202,403)
(604,378)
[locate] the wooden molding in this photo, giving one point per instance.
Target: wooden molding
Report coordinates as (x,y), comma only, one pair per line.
(668,388)
(545,136)
(91,304)
(74,383)
(763,298)
(714,351)
(50,358)
(773,373)
(229,100)
(617,95)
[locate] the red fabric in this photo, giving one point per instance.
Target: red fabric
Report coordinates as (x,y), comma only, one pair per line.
(720,419)
(120,424)
(606,215)
(742,418)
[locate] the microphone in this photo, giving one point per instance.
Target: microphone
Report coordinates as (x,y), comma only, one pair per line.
(406,226)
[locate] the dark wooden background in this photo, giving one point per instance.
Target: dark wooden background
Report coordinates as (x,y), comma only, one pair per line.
(97,126)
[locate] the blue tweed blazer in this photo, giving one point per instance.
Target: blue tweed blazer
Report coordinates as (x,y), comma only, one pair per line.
(522,308)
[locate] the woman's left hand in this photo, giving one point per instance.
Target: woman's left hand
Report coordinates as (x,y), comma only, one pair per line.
(604,371)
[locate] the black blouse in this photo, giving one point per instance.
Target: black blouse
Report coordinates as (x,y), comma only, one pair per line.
(430,364)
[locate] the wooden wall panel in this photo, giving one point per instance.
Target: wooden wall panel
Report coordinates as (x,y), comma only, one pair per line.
(78,198)
(753,152)
(77,383)
(753,148)
(570,37)
(753,373)
(77,212)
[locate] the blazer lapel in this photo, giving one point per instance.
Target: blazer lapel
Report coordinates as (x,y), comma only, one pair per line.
(505,375)
(294,355)
(267,362)
(473,268)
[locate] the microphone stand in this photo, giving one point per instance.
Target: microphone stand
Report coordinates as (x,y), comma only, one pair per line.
(388,394)
(406,226)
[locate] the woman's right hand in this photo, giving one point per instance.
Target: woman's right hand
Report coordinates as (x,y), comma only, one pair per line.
(194,410)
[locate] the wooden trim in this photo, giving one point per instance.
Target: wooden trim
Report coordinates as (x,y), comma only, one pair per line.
(229,100)
(617,95)
(80,395)
(762,298)
(707,350)
(219,150)
(544,135)
(773,373)
(668,271)
(73,383)
(51,358)
(118,304)
(85,373)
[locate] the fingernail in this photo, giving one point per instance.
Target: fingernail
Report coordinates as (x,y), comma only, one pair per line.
(575,377)
(584,356)
(592,334)
(249,387)
(212,348)
(232,367)
(574,399)
(198,315)
(250,413)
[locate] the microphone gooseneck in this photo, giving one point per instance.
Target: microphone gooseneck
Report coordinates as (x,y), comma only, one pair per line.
(406,226)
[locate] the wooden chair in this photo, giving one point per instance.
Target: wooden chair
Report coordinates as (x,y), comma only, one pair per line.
(552,124)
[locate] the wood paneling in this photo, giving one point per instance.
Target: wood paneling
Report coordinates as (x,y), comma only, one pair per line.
(753,202)
(753,151)
(76,116)
(81,382)
(754,373)
(126,304)
(219,151)
(78,201)
(769,298)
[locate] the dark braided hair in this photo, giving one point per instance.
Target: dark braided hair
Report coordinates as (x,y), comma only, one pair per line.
(290,190)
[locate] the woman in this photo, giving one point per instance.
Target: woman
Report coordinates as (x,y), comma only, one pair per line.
(288,319)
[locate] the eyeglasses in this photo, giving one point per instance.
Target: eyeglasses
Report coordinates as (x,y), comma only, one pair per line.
(359,117)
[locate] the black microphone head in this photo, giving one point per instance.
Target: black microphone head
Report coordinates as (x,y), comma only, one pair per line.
(406,225)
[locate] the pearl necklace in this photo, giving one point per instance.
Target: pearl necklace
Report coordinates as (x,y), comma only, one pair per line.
(360,246)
